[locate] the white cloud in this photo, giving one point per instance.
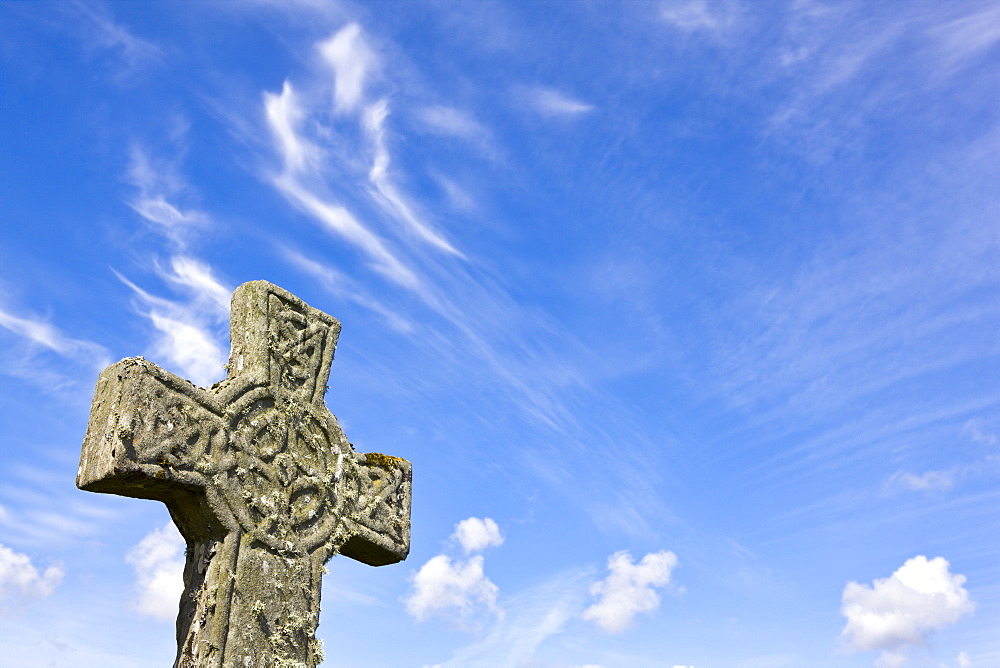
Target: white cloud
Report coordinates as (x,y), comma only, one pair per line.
(452,122)
(388,195)
(40,335)
(963,660)
(903,609)
(929,481)
(695,15)
(977,434)
(533,616)
(284,114)
(554,103)
(190,334)
(157,181)
(44,334)
(20,580)
(352,61)
(475,535)
(189,346)
(99,31)
(969,36)
(459,589)
(629,589)
(158,561)
(297,182)
(891,659)
(339,220)
(208,292)
(344,287)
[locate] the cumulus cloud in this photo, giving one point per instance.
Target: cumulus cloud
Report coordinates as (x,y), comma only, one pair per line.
(20,581)
(459,589)
(352,61)
(629,589)
(158,561)
(900,611)
(475,535)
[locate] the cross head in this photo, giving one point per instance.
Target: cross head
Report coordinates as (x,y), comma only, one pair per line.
(258,477)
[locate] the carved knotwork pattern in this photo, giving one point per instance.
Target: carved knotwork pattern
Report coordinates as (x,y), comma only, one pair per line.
(286,472)
(174,431)
(297,345)
(293,477)
(285,466)
(380,505)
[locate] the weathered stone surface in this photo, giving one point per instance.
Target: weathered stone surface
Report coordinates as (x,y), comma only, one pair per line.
(257,475)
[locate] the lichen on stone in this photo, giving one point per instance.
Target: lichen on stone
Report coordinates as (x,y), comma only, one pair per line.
(385,461)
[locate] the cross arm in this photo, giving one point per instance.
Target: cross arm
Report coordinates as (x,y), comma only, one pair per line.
(148,434)
(379,525)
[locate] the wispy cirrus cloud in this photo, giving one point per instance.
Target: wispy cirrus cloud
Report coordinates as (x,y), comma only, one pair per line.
(553,103)
(338,220)
(157,182)
(353,62)
(302,178)
(348,172)
(284,115)
(43,334)
(387,193)
(966,37)
(699,15)
(452,122)
(928,481)
(533,616)
(100,33)
(189,332)
(344,287)
(34,340)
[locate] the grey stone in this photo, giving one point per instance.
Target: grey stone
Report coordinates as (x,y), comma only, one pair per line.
(257,475)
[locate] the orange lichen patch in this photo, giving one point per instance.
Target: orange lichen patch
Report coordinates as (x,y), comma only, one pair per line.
(385,461)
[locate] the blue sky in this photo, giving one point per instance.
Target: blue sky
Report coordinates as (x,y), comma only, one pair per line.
(685,312)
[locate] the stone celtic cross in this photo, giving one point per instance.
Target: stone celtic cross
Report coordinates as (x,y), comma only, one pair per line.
(258,477)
